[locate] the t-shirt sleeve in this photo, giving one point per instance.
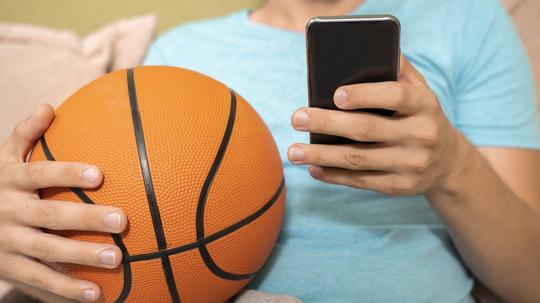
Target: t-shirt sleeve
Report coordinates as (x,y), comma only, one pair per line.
(495,96)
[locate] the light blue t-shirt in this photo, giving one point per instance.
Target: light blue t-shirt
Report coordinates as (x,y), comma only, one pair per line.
(340,244)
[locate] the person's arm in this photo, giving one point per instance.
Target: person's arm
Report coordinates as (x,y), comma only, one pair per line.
(492,211)
(496,227)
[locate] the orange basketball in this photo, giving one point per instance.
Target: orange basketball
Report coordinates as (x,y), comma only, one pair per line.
(195,169)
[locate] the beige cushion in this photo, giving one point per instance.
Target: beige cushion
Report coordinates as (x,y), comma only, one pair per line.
(526,15)
(47,65)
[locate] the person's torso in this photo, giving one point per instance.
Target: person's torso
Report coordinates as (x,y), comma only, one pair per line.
(338,244)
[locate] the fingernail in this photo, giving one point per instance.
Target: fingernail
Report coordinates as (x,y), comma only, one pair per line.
(90,174)
(107,256)
(301,119)
(296,154)
(113,220)
(340,97)
(89,294)
(315,171)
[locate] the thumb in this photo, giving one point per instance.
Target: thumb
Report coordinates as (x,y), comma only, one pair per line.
(27,132)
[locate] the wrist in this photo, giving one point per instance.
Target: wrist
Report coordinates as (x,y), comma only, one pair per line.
(464,159)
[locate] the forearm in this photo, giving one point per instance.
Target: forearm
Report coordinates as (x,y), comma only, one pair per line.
(496,233)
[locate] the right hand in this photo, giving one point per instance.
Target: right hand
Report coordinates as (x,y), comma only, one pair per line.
(22,215)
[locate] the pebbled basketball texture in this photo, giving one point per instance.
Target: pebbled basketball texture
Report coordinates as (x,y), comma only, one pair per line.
(193,166)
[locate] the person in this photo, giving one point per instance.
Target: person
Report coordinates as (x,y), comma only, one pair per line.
(448,196)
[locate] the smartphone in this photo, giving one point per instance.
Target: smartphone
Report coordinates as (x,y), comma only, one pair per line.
(344,50)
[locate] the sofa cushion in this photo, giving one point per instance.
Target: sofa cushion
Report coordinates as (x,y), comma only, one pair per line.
(47,65)
(526,14)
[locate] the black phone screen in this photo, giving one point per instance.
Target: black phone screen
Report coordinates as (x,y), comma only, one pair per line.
(348,50)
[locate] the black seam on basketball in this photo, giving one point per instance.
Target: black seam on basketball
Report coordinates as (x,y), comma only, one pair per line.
(218,271)
(159,254)
(199,222)
(215,236)
(171,283)
(143,160)
(206,254)
(149,186)
(126,288)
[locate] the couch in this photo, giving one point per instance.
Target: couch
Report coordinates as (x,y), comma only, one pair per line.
(67,14)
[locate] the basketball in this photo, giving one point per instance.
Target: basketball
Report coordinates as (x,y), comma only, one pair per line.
(196,171)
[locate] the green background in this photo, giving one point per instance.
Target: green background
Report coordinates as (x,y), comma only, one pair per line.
(84,16)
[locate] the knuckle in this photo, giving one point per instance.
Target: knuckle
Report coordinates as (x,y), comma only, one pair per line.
(401,186)
(420,163)
(84,254)
(40,282)
(406,186)
(90,218)
(429,137)
(42,249)
(323,120)
(366,129)
(356,181)
(355,159)
(66,288)
(47,215)
(71,171)
(356,92)
(392,191)
(34,172)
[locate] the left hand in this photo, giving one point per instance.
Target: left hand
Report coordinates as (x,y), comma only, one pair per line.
(416,150)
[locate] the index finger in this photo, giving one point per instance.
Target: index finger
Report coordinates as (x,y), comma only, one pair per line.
(45,174)
(68,215)
(390,95)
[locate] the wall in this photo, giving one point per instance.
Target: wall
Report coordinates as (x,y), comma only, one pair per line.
(85,16)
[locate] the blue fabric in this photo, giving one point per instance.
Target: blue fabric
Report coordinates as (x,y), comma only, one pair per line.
(344,245)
